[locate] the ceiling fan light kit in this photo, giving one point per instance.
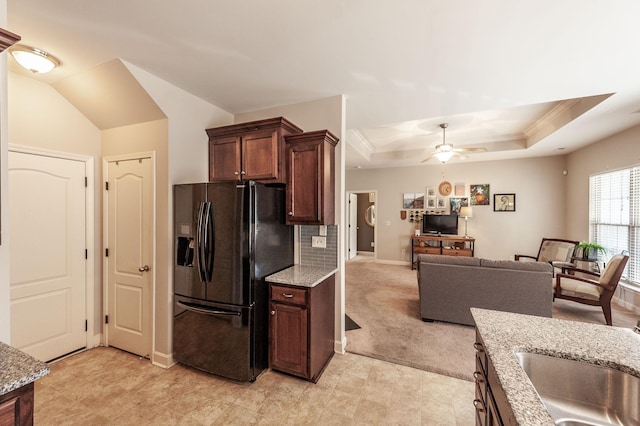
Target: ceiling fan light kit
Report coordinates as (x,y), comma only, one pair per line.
(445,151)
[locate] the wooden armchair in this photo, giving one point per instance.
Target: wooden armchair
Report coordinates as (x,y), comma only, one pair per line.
(556,251)
(595,292)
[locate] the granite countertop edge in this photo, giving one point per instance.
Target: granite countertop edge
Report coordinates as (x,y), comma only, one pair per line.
(18,369)
(301,275)
(505,333)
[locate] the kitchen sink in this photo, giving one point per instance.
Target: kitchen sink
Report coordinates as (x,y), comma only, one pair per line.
(578,393)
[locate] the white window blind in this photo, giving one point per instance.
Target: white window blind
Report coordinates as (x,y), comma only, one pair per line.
(614,215)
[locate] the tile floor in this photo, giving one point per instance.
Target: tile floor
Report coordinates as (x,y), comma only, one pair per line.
(105,386)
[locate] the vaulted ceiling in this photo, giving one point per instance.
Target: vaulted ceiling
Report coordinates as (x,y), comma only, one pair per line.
(521,78)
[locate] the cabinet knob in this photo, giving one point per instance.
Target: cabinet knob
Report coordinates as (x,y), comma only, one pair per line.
(478,376)
(236,173)
(287,295)
(290,213)
(243,172)
(478,346)
(273,312)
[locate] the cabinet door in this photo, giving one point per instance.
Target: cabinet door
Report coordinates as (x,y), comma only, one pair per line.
(224,159)
(260,156)
(303,185)
(288,334)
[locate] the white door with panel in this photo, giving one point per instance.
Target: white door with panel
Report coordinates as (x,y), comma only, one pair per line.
(47,253)
(128,264)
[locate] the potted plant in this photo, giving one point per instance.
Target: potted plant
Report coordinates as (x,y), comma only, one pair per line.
(590,251)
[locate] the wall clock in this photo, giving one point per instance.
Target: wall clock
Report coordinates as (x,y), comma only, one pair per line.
(445,188)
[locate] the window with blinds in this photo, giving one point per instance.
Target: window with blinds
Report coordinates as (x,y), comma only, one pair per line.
(614,215)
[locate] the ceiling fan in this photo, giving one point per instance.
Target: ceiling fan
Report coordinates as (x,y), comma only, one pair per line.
(445,151)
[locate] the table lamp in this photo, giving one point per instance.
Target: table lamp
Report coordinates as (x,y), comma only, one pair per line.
(466,212)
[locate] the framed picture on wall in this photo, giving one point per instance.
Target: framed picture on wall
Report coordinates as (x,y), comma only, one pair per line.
(458,189)
(456,203)
(504,202)
(479,194)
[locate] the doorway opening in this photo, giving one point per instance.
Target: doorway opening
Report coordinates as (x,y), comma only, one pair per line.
(361,226)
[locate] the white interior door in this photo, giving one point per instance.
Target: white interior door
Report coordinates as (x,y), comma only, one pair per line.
(129,262)
(353,225)
(47,254)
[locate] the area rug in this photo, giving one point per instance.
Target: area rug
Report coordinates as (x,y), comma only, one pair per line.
(383,300)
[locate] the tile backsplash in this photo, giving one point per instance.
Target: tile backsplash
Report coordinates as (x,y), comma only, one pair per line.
(314,256)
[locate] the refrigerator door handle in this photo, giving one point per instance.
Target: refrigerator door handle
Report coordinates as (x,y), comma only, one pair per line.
(209,243)
(200,246)
(206,311)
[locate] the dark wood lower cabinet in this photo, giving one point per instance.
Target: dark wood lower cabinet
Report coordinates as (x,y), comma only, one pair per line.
(492,407)
(16,407)
(301,328)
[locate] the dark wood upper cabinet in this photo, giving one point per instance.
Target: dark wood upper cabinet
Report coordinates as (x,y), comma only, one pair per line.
(311,178)
(250,151)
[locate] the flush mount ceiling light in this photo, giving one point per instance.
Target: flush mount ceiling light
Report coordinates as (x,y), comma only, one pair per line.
(35,60)
(445,151)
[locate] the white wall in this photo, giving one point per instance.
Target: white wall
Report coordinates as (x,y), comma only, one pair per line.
(5,326)
(616,152)
(540,193)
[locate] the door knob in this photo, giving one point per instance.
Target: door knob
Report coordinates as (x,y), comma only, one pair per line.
(143,268)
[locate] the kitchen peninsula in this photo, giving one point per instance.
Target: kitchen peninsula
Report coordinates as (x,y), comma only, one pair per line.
(503,333)
(18,372)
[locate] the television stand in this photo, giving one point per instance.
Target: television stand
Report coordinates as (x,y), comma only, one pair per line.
(444,245)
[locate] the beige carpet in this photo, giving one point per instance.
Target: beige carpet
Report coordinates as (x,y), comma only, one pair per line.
(383,300)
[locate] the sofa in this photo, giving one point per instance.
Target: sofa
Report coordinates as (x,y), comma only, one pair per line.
(449,286)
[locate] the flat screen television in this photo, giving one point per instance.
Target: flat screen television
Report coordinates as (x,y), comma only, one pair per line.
(440,224)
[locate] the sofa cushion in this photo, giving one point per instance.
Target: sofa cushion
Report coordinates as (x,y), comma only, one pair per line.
(514,264)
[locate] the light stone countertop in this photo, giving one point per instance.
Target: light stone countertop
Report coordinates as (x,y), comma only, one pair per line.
(18,369)
(301,275)
(504,333)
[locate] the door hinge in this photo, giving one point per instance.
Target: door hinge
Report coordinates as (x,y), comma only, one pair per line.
(86,254)
(86,182)
(106,319)
(86,325)
(106,252)
(106,186)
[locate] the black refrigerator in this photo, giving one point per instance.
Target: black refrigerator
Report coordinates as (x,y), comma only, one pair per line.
(228,237)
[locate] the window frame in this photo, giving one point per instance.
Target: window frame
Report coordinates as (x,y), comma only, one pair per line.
(614,203)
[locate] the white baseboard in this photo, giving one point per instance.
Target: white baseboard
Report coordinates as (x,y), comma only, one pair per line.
(95,341)
(393,262)
(340,346)
(162,360)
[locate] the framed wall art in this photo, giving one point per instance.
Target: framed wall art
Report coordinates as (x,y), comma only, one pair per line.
(456,203)
(479,195)
(504,202)
(413,200)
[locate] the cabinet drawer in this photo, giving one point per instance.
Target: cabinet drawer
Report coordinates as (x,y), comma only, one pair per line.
(426,250)
(293,295)
(457,252)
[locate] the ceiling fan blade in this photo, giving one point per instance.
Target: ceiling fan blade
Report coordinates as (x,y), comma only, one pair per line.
(470,149)
(427,159)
